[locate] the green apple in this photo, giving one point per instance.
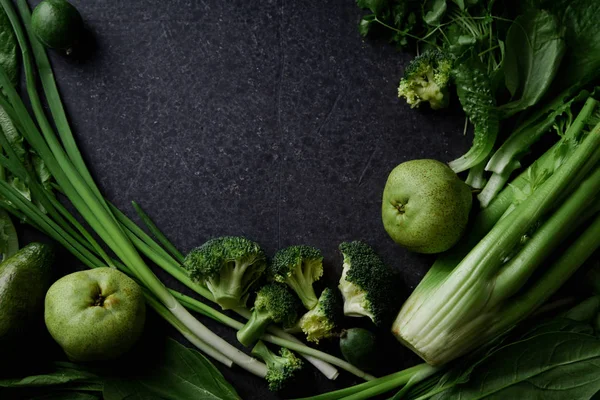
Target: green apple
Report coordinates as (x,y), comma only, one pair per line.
(425,206)
(96,314)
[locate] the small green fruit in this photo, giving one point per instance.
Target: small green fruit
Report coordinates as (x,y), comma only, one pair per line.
(359,348)
(96,314)
(57,24)
(425,206)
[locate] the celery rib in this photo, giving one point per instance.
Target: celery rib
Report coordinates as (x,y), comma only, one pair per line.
(459,303)
(506,159)
(559,226)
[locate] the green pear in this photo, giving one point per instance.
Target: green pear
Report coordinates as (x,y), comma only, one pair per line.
(96,314)
(425,206)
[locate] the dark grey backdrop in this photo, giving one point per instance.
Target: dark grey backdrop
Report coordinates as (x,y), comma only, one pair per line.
(269,119)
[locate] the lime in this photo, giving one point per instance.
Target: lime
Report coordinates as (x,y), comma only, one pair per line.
(359,347)
(57,24)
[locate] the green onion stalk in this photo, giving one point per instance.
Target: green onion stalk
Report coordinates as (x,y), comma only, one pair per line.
(406,378)
(71,174)
(460,306)
(167,258)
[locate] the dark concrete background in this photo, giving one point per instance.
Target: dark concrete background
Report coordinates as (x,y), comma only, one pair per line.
(270,119)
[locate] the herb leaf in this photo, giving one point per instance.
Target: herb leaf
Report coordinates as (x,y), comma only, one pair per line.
(433,11)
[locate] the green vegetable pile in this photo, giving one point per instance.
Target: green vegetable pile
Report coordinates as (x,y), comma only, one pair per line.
(483,318)
(223,271)
(501,59)
(520,71)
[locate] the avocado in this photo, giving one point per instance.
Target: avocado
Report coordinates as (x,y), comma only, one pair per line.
(24,279)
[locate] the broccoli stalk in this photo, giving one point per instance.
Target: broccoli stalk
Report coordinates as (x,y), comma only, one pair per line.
(426,79)
(299,267)
(280,368)
(366,284)
(228,267)
(322,321)
(274,304)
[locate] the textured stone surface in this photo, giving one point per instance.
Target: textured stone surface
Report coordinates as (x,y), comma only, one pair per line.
(270,119)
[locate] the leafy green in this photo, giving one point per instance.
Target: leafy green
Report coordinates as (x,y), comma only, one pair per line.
(555,365)
(61,373)
(474,92)
(582,60)
(458,375)
(8,49)
(9,243)
(535,46)
(433,11)
(181,374)
(398,19)
(66,395)
(175,373)
(584,311)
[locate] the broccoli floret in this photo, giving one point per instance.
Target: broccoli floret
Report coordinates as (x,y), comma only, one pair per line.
(228,267)
(426,79)
(367,284)
(280,368)
(322,321)
(274,304)
(299,267)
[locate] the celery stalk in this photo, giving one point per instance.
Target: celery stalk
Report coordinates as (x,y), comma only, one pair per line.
(443,319)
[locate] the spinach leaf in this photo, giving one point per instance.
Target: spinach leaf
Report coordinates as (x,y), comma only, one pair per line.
(61,373)
(584,311)
(535,46)
(181,374)
(558,325)
(556,365)
(175,373)
(582,60)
